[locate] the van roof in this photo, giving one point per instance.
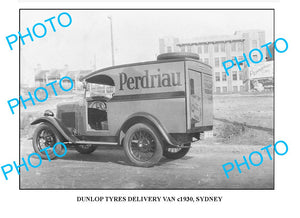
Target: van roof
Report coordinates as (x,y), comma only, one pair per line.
(138,64)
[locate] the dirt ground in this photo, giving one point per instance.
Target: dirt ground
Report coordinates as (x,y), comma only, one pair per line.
(253,109)
(243,123)
(244,119)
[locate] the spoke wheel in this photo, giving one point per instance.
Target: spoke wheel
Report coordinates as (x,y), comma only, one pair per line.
(45,136)
(142,145)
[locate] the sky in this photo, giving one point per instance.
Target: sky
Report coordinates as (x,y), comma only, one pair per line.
(86,42)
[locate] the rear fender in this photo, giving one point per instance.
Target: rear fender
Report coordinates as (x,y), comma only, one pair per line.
(59,127)
(149,119)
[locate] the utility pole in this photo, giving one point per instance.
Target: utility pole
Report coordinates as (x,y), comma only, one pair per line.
(112,41)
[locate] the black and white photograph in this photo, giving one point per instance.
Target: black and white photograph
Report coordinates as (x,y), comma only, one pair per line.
(149,108)
(146,99)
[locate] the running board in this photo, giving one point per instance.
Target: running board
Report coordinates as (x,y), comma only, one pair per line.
(92,142)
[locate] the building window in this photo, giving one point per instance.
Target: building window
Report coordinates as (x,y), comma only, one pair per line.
(206,60)
(246,35)
(193,48)
(218,89)
(205,48)
(218,76)
(216,47)
(169,49)
(241,58)
(182,49)
(200,49)
(217,63)
(222,47)
(224,76)
(240,46)
(234,75)
(254,43)
(223,59)
(235,89)
(233,46)
(241,75)
(189,49)
(241,88)
(224,89)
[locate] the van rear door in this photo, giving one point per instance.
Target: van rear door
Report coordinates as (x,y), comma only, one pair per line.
(199,96)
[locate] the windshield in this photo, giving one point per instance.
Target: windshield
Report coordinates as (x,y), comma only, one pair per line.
(94,90)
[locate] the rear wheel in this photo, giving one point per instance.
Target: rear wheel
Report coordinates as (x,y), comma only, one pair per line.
(176,153)
(85,149)
(142,145)
(45,136)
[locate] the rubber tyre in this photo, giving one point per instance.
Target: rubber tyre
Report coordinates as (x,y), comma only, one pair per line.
(158,150)
(175,55)
(56,138)
(85,150)
(176,155)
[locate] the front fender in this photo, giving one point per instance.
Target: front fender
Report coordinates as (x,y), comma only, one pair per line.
(147,118)
(59,127)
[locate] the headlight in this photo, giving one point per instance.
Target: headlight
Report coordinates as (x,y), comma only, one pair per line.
(48,113)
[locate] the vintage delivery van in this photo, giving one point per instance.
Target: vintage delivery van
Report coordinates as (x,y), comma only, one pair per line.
(157,109)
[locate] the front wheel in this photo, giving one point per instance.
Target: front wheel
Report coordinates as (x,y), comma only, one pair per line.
(142,145)
(45,136)
(176,153)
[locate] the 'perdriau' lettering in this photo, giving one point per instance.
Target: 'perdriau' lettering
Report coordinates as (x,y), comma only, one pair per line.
(150,81)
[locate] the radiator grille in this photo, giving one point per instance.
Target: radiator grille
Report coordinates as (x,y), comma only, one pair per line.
(68,119)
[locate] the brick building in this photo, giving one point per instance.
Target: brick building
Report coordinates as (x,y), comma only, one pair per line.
(214,50)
